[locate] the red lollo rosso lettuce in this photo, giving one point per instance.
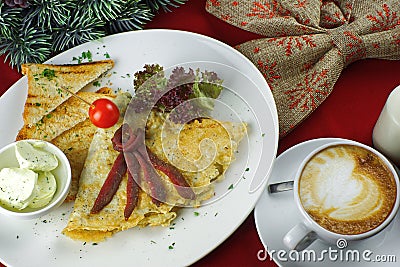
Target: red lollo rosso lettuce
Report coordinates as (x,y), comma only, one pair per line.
(175,92)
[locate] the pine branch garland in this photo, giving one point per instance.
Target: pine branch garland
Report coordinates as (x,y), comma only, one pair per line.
(30,45)
(47,27)
(47,13)
(9,19)
(155,5)
(134,15)
(103,10)
(77,30)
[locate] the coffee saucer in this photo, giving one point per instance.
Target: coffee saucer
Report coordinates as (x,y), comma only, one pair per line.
(275,214)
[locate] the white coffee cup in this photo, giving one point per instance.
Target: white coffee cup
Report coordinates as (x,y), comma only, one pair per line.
(308,230)
(386,133)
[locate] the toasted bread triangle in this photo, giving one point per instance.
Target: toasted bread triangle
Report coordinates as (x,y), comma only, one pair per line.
(46,83)
(63,117)
(75,143)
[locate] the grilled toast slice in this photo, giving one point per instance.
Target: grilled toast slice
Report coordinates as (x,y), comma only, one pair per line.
(75,143)
(63,117)
(46,83)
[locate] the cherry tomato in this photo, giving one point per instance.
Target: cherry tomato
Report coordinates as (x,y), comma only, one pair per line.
(103,113)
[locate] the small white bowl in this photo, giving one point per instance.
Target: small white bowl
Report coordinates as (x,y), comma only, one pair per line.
(62,174)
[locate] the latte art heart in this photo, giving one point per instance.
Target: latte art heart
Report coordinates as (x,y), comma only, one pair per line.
(347,189)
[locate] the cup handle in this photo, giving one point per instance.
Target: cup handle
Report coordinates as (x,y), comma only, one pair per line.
(299,237)
(280,187)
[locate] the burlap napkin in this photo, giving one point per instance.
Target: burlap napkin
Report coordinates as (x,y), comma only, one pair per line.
(309,42)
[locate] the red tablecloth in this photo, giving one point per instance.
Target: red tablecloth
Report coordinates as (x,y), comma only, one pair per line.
(349,112)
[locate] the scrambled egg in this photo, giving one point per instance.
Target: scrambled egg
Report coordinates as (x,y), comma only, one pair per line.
(203,151)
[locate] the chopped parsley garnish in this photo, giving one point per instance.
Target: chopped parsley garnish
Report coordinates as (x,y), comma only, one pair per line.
(85,56)
(196,213)
(97,83)
(49,74)
(171,246)
(230,187)
(59,91)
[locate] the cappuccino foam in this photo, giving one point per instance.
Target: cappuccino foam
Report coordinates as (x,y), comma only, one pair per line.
(347,189)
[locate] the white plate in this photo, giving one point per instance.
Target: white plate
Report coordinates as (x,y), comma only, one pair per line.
(41,243)
(275,214)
